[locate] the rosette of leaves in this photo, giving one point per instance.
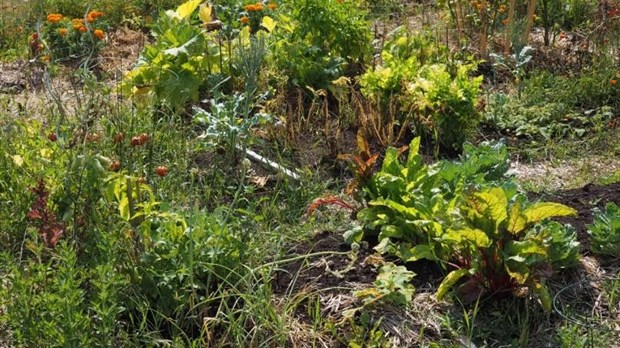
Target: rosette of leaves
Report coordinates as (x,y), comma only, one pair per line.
(443,104)
(501,246)
(605,231)
(407,210)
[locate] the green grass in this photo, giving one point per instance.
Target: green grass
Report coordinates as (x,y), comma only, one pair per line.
(188,259)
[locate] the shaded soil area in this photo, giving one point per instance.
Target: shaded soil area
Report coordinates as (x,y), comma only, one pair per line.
(583,199)
(332,266)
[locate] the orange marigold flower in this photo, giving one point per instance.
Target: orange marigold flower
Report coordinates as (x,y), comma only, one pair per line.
(272,6)
(244,20)
(95,14)
(249,8)
(613,82)
(99,34)
(258,6)
(54,17)
(82,29)
(502,8)
(62,31)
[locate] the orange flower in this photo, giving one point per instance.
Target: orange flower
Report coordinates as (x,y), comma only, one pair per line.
(244,20)
(93,15)
(99,34)
(613,82)
(502,8)
(54,17)
(272,6)
(258,6)
(249,8)
(82,29)
(62,31)
(77,23)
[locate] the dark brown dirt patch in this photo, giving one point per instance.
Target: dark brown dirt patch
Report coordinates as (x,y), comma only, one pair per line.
(342,268)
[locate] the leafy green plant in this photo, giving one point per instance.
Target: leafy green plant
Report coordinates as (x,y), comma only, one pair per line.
(228,123)
(605,230)
(501,248)
(392,285)
(406,210)
(483,164)
(438,99)
(174,67)
(319,39)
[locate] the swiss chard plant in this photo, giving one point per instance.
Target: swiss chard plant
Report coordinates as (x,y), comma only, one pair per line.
(501,247)
(437,98)
(407,211)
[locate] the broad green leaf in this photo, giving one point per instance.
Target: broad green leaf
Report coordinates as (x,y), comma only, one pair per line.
(516,221)
(497,202)
(123,208)
(268,23)
(181,49)
(524,248)
(449,281)
(187,8)
(543,293)
(205,13)
(397,207)
(419,252)
(391,231)
(545,210)
(414,149)
(474,235)
(390,162)
(354,235)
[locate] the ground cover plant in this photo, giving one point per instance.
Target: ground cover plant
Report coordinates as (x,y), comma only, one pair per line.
(337,173)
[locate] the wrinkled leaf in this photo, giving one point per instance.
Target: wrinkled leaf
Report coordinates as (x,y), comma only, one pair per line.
(516,221)
(545,210)
(496,203)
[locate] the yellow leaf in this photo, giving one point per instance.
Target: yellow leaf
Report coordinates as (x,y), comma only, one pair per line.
(18,160)
(544,210)
(187,8)
(268,23)
(45,153)
(206,13)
